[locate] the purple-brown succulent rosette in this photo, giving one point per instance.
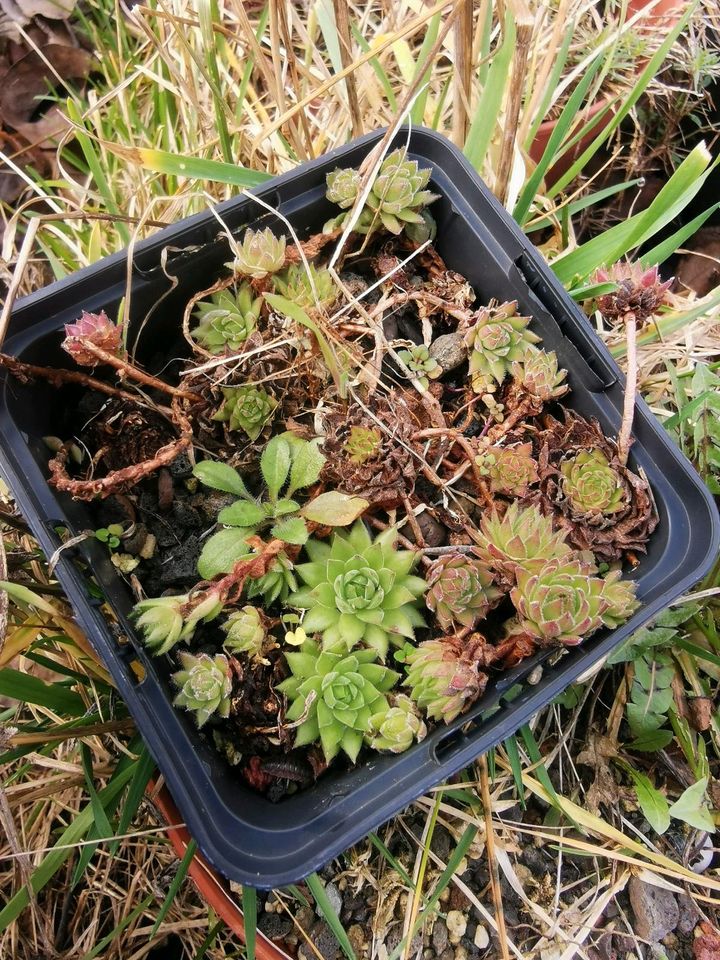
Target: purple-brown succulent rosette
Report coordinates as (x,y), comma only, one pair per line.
(360,494)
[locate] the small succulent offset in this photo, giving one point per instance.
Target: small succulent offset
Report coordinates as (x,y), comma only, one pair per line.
(444,677)
(640,292)
(562,602)
(205,686)
(337,693)
(396,198)
(97,329)
(360,590)
(306,287)
(395,730)
(276,584)
(246,408)
(165,621)
(421,365)
(620,599)
(498,338)
(511,470)
(539,374)
(259,254)
(591,485)
(461,590)
(522,539)
(226,319)
(362,444)
(245,631)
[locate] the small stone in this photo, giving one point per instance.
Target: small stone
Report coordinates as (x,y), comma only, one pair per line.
(181,467)
(458,900)
(275,926)
(447,954)
(324,942)
(656,910)
(449,350)
(356,936)
(456,926)
(441,842)
(461,953)
(481,938)
(440,936)
(334,896)
(689,914)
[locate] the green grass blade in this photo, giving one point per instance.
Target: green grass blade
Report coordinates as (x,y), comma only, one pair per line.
(650,71)
(536,758)
(394,863)
(53,861)
(377,68)
(422,69)
(144,768)
(564,125)
(209,940)
(668,247)
(177,882)
(249,909)
(125,922)
(552,82)
(328,912)
(511,748)
(584,202)
(608,247)
(488,108)
(29,689)
(194,168)
(207,14)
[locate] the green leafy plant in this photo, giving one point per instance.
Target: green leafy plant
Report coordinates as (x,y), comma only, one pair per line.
(443,677)
(360,590)
(461,590)
(110,535)
(205,685)
(396,729)
(337,693)
(227,319)
(259,254)
(306,286)
(246,408)
(498,338)
(421,365)
(591,485)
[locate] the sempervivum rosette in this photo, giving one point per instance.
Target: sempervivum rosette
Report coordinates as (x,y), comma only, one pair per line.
(461,590)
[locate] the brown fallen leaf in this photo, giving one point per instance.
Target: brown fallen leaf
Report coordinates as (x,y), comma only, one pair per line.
(28,81)
(23,11)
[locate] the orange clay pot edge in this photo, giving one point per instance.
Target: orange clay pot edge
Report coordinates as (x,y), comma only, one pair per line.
(212,887)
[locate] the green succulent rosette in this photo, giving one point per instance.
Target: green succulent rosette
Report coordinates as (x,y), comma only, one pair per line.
(337,693)
(245,631)
(539,374)
(205,686)
(441,680)
(619,596)
(359,590)
(461,590)
(259,254)
(343,186)
(307,287)
(562,602)
(396,729)
(498,338)
(591,485)
(511,470)
(165,621)
(226,320)
(363,444)
(521,539)
(246,408)
(420,364)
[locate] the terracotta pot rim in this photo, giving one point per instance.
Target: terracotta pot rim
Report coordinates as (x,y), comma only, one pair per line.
(213,888)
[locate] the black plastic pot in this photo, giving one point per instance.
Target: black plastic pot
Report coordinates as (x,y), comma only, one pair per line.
(244,836)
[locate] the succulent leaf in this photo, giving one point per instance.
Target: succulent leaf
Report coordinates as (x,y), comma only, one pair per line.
(276,584)
(315,288)
(444,677)
(205,686)
(164,621)
(226,320)
(420,364)
(590,483)
(639,292)
(522,539)
(498,338)
(245,631)
(95,328)
(360,590)
(511,470)
(539,375)
(396,729)
(337,693)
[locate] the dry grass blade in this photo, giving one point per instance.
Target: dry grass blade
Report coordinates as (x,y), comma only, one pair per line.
(491,857)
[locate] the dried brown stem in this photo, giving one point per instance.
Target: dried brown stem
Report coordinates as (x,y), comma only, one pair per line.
(342,22)
(59,377)
(524,23)
(491,859)
(624,436)
(129,370)
(119,480)
(229,588)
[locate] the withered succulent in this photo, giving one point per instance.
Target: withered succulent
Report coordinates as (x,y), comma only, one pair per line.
(444,676)
(640,292)
(379,465)
(360,590)
(315,288)
(226,319)
(611,512)
(590,483)
(562,601)
(205,686)
(246,408)
(421,365)
(461,590)
(397,196)
(511,470)
(96,329)
(396,729)
(521,539)
(245,631)
(498,338)
(165,621)
(337,693)
(363,444)
(259,254)
(539,375)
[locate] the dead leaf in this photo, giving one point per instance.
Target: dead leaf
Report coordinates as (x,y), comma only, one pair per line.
(707,945)
(23,11)
(604,790)
(28,82)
